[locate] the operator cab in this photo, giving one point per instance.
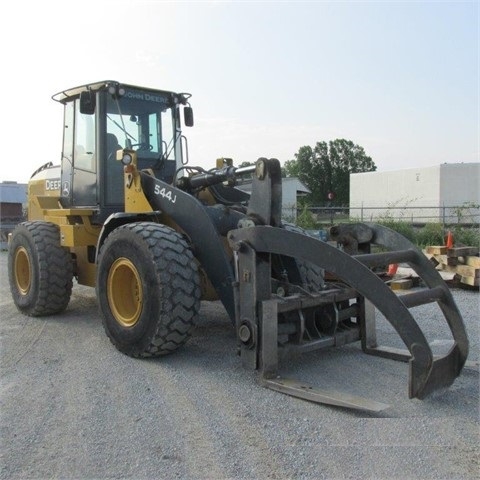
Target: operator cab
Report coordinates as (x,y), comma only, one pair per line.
(100,119)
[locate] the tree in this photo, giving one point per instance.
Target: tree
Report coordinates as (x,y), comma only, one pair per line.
(290,169)
(326,169)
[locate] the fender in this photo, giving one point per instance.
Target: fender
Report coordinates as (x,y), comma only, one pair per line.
(121,218)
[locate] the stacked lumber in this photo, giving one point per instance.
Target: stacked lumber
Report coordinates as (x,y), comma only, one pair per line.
(462,262)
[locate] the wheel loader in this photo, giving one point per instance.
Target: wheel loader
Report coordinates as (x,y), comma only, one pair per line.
(125,213)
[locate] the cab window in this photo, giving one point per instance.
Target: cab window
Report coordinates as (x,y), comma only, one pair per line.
(84,148)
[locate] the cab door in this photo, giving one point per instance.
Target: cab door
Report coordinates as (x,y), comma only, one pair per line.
(79,166)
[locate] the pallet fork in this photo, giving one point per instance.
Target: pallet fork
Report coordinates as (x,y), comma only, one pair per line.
(349,309)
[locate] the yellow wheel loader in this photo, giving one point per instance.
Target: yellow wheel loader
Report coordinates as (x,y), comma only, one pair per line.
(126,214)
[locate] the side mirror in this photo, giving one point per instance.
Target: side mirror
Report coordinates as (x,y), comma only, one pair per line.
(87,103)
(188,116)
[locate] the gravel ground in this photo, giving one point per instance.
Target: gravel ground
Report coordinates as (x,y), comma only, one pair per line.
(73,407)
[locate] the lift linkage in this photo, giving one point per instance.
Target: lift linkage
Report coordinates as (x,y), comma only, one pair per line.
(272,325)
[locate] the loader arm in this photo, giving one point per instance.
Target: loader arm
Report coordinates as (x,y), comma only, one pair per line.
(194,219)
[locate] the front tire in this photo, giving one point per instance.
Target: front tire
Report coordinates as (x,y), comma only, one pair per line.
(148,288)
(40,271)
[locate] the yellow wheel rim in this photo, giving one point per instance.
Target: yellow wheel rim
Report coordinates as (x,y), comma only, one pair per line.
(23,271)
(125,292)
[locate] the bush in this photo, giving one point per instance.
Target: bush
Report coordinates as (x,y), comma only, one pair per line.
(469,237)
(306,220)
(434,233)
(430,234)
(404,228)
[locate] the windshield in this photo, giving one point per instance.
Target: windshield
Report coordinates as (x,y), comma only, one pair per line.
(143,121)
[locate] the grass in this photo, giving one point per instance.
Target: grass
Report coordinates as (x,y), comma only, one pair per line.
(430,234)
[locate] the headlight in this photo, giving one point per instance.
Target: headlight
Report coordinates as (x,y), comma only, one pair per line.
(127,159)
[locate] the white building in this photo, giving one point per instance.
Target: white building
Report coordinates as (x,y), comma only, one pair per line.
(442,193)
(292,189)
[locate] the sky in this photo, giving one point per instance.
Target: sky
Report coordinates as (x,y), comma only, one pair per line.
(400,79)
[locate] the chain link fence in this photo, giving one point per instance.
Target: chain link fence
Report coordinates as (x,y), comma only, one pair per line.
(465,214)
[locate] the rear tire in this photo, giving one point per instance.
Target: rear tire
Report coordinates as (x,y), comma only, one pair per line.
(40,271)
(148,287)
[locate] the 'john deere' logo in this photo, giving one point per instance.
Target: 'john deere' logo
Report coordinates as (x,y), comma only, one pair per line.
(52,184)
(66,189)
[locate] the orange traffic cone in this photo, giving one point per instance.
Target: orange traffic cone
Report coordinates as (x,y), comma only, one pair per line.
(392,269)
(449,239)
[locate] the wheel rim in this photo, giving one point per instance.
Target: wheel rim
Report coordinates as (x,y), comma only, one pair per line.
(23,271)
(125,292)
